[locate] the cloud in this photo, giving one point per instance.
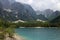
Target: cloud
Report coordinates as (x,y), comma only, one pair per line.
(58,6)
(30,1)
(43,4)
(25,1)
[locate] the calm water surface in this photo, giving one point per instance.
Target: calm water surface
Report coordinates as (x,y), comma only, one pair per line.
(39,33)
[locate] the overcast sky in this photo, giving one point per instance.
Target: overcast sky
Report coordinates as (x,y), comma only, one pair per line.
(42,4)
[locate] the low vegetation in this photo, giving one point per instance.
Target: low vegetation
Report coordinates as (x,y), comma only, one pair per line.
(37,24)
(6,28)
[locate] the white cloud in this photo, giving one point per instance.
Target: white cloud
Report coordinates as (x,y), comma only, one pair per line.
(26,1)
(58,6)
(43,4)
(30,1)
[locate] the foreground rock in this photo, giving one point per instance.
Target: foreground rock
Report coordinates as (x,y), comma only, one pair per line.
(15,37)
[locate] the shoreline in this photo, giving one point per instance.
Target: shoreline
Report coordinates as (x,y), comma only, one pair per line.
(14,37)
(18,37)
(31,27)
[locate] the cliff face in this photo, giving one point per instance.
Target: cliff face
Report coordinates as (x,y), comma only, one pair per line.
(18,11)
(25,11)
(0,6)
(1,9)
(42,17)
(5,3)
(47,13)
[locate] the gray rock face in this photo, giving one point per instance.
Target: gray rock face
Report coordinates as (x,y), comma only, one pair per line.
(1,9)
(46,12)
(18,11)
(5,3)
(11,1)
(42,17)
(54,15)
(25,12)
(0,6)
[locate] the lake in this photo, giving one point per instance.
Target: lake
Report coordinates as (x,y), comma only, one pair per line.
(39,33)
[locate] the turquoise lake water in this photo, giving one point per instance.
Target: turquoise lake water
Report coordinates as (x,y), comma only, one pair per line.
(39,33)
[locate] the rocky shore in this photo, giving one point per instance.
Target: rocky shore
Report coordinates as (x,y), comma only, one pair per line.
(15,37)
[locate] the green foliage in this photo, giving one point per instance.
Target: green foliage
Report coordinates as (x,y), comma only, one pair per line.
(33,24)
(37,24)
(1,36)
(6,27)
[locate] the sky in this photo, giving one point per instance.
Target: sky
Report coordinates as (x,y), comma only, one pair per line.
(42,4)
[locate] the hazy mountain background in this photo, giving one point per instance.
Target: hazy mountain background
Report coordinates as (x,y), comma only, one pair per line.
(42,4)
(12,10)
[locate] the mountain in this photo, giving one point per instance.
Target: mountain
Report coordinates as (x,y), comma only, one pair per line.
(25,11)
(42,17)
(18,11)
(38,12)
(12,10)
(44,14)
(8,15)
(1,9)
(47,13)
(56,20)
(30,10)
(0,6)
(12,1)
(5,3)
(54,15)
